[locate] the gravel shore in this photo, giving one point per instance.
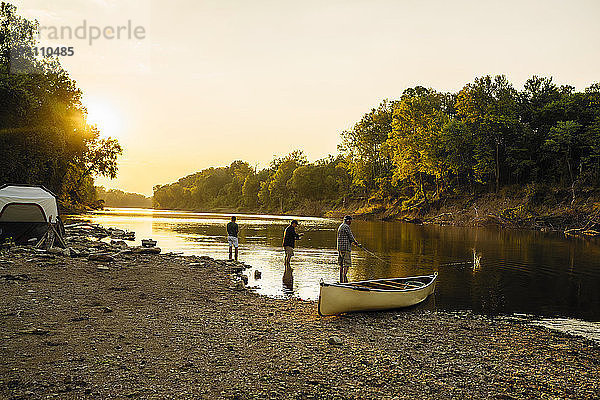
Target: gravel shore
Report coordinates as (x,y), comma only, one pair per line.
(156,326)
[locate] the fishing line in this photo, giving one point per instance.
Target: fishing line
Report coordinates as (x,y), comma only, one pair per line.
(371,253)
(456,264)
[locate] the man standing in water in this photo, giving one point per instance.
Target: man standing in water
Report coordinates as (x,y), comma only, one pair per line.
(232,236)
(289,241)
(345,239)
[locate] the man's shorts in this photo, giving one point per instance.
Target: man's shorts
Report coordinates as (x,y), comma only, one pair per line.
(289,251)
(233,241)
(344,259)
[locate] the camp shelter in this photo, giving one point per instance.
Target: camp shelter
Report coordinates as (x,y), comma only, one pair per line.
(25,212)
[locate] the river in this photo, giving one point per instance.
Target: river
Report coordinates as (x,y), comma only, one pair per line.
(544,275)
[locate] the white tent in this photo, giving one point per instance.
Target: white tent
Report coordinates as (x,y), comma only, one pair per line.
(27,204)
(28,213)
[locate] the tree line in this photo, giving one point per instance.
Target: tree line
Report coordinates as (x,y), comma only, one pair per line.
(287,183)
(429,143)
(424,146)
(119,198)
(44,136)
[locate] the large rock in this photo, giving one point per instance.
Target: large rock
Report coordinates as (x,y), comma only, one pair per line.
(148,243)
(102,257)
(71,252)
(116,233)
(147,250)
(119,243)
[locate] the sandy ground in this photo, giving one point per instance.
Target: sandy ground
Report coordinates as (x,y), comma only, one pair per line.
(171,327)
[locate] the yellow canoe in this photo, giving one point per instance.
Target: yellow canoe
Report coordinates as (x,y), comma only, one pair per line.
(378,294)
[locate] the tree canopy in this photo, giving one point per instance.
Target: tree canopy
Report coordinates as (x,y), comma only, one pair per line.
(423,146)
(44,134)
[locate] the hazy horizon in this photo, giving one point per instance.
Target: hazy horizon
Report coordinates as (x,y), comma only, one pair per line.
(213,82)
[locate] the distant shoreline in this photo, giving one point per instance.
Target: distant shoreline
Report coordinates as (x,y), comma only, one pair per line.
(513,210)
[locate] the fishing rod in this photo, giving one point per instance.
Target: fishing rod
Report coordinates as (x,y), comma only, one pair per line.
(371,253)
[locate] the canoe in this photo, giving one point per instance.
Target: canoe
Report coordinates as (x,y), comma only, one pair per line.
(378,294)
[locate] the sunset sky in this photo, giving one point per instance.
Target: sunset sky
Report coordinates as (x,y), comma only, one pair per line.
(217,81)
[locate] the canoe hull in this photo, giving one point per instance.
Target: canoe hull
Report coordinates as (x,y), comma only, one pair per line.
(342,298)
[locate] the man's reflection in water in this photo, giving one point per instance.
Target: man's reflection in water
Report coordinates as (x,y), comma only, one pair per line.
(288,281)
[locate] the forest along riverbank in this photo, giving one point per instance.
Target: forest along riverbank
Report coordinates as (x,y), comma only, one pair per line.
(538,208)
(138,324)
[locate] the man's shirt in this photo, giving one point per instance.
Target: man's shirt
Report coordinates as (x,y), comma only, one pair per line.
(345,238)
(290,236)
(232,229)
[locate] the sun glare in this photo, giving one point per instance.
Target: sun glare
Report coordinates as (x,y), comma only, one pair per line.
(105,116)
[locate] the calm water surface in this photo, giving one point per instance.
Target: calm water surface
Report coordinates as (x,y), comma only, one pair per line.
(541,274)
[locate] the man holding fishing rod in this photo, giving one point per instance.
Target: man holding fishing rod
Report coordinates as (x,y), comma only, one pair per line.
(289,241)
(345,239)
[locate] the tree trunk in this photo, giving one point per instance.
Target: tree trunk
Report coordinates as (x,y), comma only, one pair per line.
(572,181)
(497,167)
(422,189)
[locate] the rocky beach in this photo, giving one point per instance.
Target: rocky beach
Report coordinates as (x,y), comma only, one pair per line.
(108,321)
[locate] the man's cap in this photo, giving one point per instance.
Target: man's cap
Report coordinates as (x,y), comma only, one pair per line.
(347,218)
(294,222)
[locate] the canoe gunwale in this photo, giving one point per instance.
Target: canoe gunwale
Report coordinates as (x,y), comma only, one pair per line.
(351,285)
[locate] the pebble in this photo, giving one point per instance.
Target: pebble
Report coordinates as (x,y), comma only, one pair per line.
(335,340)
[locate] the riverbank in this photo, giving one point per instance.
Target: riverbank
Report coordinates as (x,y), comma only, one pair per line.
(157,326)
(544,209)
(537,208)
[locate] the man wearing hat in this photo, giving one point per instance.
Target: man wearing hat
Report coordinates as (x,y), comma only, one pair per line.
(289,241)
(345,239)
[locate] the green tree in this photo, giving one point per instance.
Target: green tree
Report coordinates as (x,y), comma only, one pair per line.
(44,136)
(489,109)
(279,192)
(365,148)
(250,191)
(415,140)
(573,147)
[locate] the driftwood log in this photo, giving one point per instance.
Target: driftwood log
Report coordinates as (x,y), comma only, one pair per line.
(590,229)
